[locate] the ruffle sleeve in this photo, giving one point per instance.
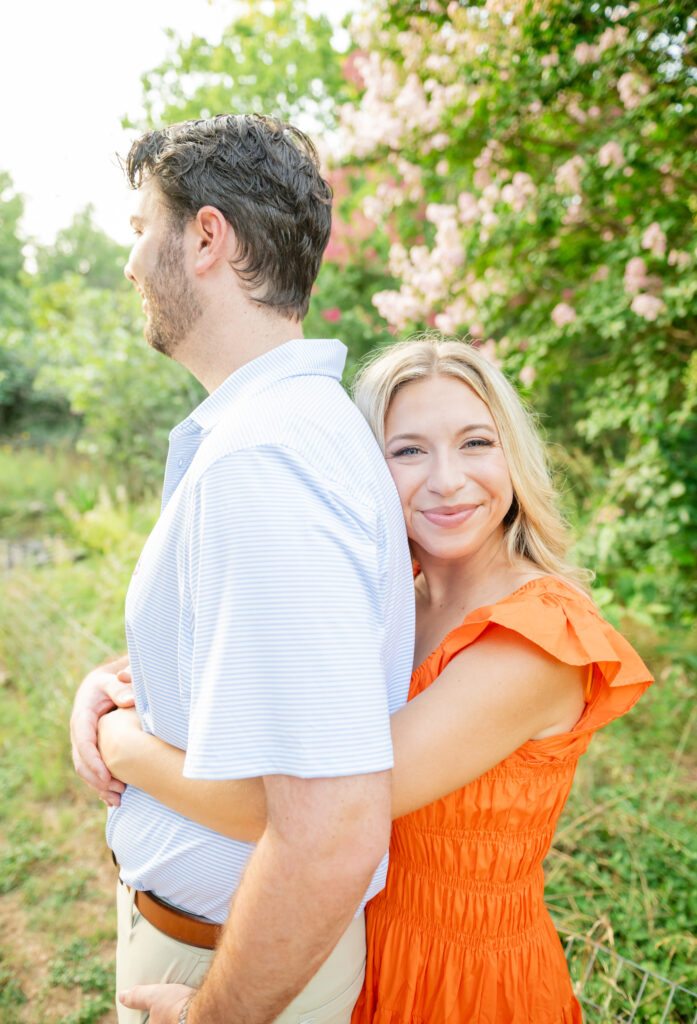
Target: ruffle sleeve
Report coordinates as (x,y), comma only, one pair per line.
(564,622)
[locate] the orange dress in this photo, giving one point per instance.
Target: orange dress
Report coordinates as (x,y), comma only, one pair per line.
(460,934)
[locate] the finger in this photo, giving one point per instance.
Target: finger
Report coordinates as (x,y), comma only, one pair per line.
(125,675)
(122,694)
(144,997)
(139,998)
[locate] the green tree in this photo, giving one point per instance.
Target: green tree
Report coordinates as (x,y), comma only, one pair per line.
(18,397)
(83,249)
(531,167)
(274,58)
(124,397)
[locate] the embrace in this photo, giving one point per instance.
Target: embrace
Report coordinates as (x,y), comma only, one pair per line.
(337,748)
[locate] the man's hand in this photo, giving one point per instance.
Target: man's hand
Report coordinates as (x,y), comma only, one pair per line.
(100,691)
(165,1002)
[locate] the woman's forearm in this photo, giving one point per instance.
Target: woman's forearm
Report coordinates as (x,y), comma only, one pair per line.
(232,807)
(442,739)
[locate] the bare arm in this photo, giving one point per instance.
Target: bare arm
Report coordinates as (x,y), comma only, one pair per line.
(235,807)
(302,886)
(492,697)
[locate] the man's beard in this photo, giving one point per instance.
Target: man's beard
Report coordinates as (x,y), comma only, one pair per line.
(173,306)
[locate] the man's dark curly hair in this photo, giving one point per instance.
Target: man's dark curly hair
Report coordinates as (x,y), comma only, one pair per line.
(263,176)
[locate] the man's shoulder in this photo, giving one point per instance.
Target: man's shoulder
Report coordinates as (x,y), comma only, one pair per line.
(310,420)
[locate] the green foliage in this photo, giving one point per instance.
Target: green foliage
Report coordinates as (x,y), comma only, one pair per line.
(11,995)
(531,168)
(83,249)
(274,58)
(90,345)
(15,376)
(24,853)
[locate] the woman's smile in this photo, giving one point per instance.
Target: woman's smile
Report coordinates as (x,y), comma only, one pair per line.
(449,516)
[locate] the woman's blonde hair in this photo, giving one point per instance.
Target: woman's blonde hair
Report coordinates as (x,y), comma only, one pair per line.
(533,527)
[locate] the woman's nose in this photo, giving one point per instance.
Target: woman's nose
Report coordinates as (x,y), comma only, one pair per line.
(446,476)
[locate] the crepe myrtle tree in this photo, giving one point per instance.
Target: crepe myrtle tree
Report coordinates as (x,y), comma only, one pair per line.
(529,169)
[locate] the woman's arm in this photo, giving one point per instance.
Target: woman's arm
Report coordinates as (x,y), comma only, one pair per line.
(490,699)
(234,807)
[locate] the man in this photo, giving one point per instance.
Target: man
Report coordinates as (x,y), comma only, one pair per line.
(270,618)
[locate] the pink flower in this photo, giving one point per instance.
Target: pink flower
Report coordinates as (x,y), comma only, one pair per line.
(613,37)
(631,90)
(567,177)
(332,316)
(586,54)
(610,153)
(468,207)
(654,240)
(527,375)
(648,306)
(550,60)
(563,314)
(635,276)
(679,258)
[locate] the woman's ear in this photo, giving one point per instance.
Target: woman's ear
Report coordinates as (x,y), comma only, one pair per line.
(214,238)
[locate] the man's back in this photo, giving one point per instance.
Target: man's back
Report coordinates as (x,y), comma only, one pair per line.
(270,621)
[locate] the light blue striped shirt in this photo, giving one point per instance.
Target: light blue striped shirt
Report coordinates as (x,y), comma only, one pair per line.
(270,616)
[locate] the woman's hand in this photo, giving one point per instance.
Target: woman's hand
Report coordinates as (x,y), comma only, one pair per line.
(120,740)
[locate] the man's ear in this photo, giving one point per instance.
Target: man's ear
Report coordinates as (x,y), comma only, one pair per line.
(214,236)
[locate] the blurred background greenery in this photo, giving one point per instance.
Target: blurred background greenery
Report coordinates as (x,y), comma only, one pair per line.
(519,173)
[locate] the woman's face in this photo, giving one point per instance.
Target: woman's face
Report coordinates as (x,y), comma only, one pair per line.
(445,457)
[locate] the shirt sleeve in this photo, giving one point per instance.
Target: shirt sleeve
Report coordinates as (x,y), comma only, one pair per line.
(287,674)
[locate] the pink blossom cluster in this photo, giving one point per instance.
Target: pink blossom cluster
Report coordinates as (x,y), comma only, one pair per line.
(631,89)
(654,240)
(567,178)
(636,277)
(611,155)
(563,314)
(679,258)
(518,193)
(590,53)
(648,306)
(448,242)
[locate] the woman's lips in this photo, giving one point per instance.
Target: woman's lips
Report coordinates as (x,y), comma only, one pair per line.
(449,515)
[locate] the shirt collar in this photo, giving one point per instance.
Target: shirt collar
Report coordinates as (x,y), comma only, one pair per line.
(323,357)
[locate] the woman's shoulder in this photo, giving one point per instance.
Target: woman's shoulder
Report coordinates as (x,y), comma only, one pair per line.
(562,620)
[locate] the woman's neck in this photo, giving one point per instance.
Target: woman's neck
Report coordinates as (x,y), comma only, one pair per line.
(470,582)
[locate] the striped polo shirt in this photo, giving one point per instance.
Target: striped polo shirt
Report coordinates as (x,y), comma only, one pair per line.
(270,618)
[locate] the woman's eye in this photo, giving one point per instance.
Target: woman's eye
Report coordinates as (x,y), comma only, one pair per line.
(409,450)
(478,442)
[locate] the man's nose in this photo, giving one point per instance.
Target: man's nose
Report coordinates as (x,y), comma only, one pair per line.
(128,273)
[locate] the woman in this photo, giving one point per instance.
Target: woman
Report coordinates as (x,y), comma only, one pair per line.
(514,671)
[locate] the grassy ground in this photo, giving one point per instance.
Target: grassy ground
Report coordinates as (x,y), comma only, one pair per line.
(624,860)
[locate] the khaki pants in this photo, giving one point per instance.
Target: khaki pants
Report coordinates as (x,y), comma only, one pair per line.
(145,956)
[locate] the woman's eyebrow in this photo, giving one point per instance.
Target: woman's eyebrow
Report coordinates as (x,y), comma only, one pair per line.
(406,437)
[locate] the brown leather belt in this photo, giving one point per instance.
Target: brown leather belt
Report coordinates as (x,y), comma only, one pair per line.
(189,928)
(177,924)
